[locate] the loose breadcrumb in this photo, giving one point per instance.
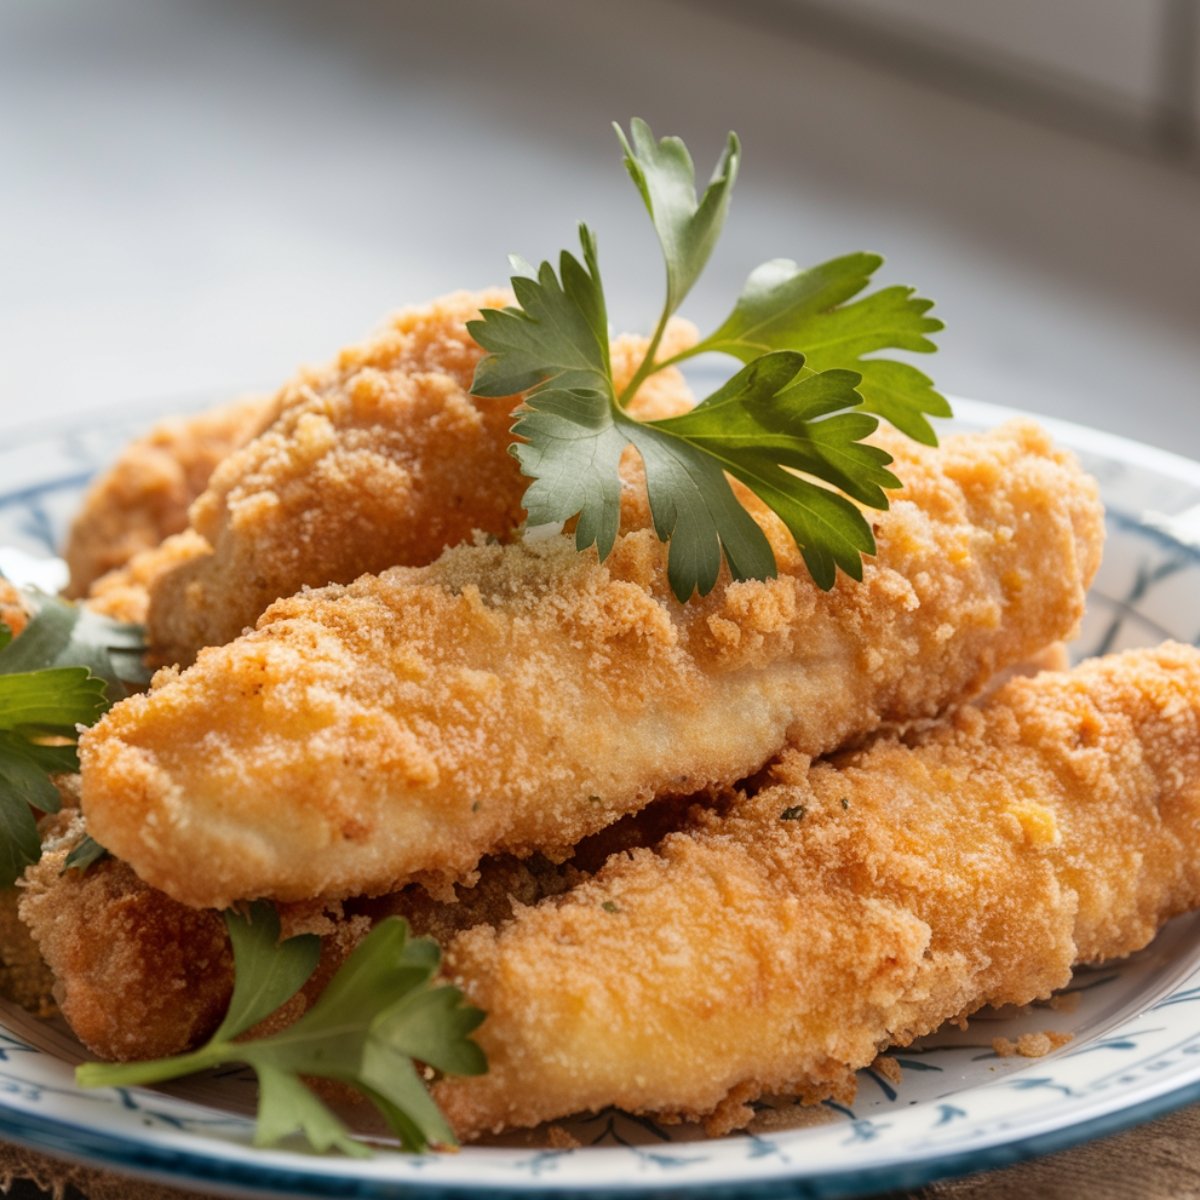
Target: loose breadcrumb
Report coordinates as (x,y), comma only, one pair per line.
(12,607)
(889,1068)
(1030,1045)
(558,1138)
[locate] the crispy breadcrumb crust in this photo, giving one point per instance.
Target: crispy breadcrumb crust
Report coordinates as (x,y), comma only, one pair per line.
(138,975)
(124,593)
(515,698)
(133,983)
(144,496)
(25,978)
(124,930)
(1030,1045)
(854,904)
(380,458)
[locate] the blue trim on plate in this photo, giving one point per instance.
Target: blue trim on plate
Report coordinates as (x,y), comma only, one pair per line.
(121,1153)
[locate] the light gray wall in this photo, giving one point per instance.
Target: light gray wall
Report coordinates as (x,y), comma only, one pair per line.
(200,195)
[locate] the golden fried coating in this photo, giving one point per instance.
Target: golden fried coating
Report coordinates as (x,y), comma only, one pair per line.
(144,496)
(518,698)
(148,483)
(116,943)
(138,975)
(855,904)
(377,458)
(115,930)
(381,458)
(141,975)
(25,979)
(124,592)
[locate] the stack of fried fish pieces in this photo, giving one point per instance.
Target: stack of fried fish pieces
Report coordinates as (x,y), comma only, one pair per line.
(681,855)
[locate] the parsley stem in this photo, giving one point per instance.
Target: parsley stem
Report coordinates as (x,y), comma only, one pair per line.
(131,1074)
(682,356)
(648,365)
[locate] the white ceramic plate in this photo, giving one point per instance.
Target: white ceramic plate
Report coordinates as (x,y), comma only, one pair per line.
(1135,1048)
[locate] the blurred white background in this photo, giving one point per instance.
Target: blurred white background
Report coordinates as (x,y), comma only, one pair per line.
(197,196)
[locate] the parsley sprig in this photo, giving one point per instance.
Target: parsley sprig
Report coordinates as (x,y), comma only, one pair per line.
(790,425)
(63,671)
(378,1014)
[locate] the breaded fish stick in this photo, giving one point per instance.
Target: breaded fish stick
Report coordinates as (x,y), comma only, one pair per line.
(136,975)
(382,458)
(856,904)
(139,975)
(518,698)
(144,496)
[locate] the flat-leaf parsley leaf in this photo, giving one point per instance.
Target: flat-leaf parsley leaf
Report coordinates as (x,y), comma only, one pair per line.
(60,634)
(790,425)
(61,672)
(783,307)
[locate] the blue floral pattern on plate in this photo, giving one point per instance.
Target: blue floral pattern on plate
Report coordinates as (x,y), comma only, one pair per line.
(955,1106)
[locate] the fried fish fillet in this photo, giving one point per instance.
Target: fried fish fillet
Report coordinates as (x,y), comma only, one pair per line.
(144,496)
(855,904)
(139,975)
(264,546)
(381,458)
(135,977)
(517,698)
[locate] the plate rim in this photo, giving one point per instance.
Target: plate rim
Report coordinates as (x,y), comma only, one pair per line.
(77,1143)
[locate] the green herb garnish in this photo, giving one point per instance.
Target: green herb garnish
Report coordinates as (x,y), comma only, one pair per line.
(797,412)
(795,813)
(379,1013)
(60,634)
(84,855)
(62,672)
